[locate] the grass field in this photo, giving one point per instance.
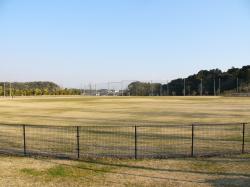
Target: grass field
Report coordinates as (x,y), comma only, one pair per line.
(121,111)
(204,172)
(124,110)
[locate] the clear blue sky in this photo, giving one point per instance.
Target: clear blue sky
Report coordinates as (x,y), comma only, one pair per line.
(72,41)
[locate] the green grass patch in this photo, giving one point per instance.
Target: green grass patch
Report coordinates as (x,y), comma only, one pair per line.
(30,171)
(82,169)
(59,171)
(208,165)
(244,156)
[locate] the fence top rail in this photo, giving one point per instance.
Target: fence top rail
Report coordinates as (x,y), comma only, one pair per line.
(94,126)
(123,126)
(219,124)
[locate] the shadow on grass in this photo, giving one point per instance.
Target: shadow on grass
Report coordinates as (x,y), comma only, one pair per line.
(226,178)
(170,170)
(118,166)
(229,182)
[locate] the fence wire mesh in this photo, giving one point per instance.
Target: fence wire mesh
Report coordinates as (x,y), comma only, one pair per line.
(125,141)
(247,138)
(218,139)
(163,141)
(11,139)
(109,141)
(51,141)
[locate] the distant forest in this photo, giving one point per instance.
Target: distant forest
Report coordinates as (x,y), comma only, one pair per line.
(34,88)
(205,82)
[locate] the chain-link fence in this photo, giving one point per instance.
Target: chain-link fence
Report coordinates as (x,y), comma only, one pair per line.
(125,141)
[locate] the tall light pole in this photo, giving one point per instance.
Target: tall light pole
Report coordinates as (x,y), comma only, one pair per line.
(108,88)
(84,90)
(184,91)
(10,90)
(219,85)
(81,90)
(167,89)
(90,89)
(214,88)
(122,87)
(201,87)
(161,89)
(237,85)
(151,88)
(95,90)
(4,91)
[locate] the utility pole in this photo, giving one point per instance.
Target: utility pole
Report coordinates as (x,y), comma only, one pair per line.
(161,89)
(167,89)
(95,90)
(122,87)
(214,88)
(84,89)
(10,90)
(184,91)
(219,85)
(81,89)
(237,85)
(214,85)
(4,91)
(90,89)
(201,87)
(108,88)
(151,88)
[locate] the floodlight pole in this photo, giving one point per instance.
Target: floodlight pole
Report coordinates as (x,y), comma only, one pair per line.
(84,89)
(161,90)
(81,89)
(237,85)
(4,92)
(122,87)
(95,90)
(10,90)
(151,88)
(219,85)
(167,89)
(108,88)
(201,88)
(214,88)
(90,89)
(184,91)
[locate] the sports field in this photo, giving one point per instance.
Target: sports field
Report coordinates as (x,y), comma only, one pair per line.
(121,111)
(124,110)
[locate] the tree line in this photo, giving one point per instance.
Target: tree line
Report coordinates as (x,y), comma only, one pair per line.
(34,89)
(205,82)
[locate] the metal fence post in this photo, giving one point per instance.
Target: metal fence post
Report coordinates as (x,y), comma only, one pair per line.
(243,138)
(135,142)
(78,141)
(24,140)
(192,146)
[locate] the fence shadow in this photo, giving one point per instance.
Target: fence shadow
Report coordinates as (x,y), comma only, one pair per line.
(131,166)
(240,181)
(118,166)
(221,178)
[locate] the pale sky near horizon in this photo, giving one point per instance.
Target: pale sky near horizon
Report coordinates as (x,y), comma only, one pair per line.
(76,42)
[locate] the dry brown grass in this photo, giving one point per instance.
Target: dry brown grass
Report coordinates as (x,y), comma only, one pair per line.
(124,110)
(21,171)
